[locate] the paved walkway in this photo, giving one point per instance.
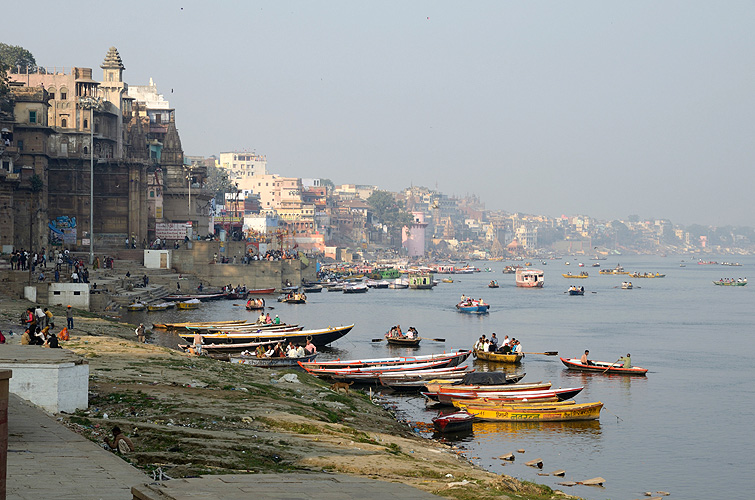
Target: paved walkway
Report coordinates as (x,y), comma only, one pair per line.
(299,486)
(48,460)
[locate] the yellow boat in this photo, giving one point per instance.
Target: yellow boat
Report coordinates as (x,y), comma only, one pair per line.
(497,357)
(189,304)
(581,275)
(647,275)
(180,326)
(537,413)
(447,280)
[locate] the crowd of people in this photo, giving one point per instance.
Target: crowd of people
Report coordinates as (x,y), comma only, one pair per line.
(39,324)
(396,333)
(265,319)
(507,345)
(283,350)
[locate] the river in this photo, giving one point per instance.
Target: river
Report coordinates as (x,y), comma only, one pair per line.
(686,428)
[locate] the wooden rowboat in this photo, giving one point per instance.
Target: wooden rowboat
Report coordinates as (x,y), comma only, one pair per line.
(452,358)
(497,357)
(538,413)
(602,367)
(458,421)
(403,341)
(269,362)
(189,304)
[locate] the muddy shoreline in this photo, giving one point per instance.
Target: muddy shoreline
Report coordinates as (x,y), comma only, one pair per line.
(192,416)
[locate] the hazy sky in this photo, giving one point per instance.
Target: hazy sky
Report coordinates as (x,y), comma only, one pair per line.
(598,108)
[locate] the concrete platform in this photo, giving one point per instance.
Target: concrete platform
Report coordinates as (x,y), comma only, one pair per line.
(294,486)
(55,379)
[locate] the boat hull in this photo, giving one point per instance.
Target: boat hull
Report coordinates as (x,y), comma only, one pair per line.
(498,358)
(270,362)
(540,413)
(403,342)
(459,421)
(602,367)
(319,338)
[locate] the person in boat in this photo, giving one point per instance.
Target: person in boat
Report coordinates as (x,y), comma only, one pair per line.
(505,348)
(584,359)
(517,347)
(270,352)
(249,303)
(299,351)
(399,333)
(310,347)
(277,320)
(260,351)
(261,319)
(493,343)
(626,360)
(268,319)
(199,288)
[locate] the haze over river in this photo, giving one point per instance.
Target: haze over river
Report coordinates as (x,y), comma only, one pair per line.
(686,428)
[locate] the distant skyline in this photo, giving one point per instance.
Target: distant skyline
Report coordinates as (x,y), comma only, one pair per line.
(595,108)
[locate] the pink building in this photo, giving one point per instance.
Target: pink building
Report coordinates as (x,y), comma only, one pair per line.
(414,239)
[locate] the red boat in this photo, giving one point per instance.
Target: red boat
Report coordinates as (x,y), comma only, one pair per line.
(602,367)
(260,291)
(457,421)
(543,396)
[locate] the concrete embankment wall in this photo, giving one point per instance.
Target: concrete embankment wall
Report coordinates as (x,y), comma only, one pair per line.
(199,260)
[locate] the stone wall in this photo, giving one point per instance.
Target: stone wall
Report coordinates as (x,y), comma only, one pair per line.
(199,260)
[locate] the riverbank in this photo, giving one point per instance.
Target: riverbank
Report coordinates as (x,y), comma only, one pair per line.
(191,416)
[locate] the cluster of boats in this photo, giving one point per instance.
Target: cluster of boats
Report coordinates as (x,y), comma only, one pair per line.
(223,338)
(193,301)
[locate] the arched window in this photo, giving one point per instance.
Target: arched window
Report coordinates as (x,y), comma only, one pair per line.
(86,123)
(86,150)
(64,123)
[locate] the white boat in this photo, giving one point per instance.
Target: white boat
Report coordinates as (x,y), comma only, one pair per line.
(529,278)
(399,284)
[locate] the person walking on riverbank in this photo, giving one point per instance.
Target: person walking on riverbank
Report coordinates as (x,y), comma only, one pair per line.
(69,318)
(139,331)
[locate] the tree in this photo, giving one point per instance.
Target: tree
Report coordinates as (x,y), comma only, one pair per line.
(6,98)
(17,58)
(389,211)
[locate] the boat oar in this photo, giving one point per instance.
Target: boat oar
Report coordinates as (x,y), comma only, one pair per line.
(378,340)
(546,353)
(436,340)
(611,365)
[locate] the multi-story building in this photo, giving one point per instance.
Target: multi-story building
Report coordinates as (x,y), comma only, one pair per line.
(82,129)
(243,167)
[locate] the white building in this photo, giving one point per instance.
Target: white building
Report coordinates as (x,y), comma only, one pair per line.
(242,166)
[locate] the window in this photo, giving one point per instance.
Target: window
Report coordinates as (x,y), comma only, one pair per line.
(64,123)
(86,150)
(51,95)
(32,117)
(20,145)
(63,95)
(86,123)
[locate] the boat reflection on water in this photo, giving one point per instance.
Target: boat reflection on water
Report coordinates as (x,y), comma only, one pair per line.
(486,431)
(481,365)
